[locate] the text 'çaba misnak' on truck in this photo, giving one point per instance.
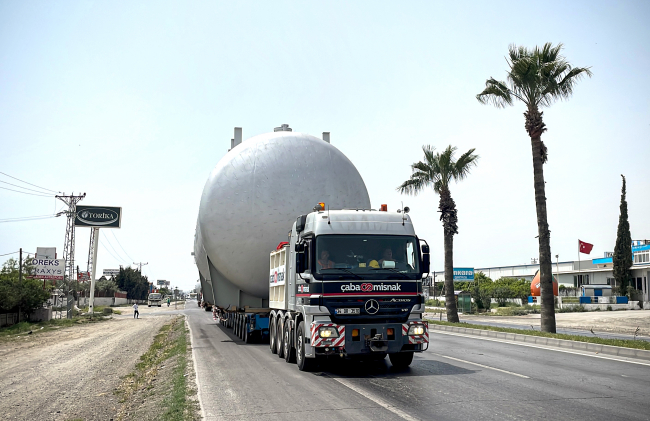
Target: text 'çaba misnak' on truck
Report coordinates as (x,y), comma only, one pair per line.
(289,251)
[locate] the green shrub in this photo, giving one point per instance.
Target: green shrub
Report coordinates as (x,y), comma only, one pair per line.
(107,310)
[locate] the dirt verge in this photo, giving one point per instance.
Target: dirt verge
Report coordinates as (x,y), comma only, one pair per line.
(71,373)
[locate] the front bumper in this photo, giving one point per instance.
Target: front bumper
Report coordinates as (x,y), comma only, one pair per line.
(372,338)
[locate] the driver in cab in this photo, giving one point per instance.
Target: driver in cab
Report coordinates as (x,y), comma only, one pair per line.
(324,262)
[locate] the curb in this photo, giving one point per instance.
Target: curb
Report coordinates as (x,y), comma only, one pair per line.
(618,351)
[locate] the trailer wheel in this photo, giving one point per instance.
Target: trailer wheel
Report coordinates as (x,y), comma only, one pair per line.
(289,350)
(240,328)
(272,335)
(279,334)
(401,359)
(304,364)
(236,327)
(248,338)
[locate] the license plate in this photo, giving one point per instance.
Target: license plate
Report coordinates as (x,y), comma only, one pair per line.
(347,311)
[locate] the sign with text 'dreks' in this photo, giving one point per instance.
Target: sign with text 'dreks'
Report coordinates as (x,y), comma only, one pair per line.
(98,216)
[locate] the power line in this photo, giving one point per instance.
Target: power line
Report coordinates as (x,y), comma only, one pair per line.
(27,219)
(24,192)
(113,248)
(22,181)
(21,187)
(109,252)
(7,254)
(118,242)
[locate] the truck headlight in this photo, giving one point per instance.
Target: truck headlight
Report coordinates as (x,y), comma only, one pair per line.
(328,332)
(416,330)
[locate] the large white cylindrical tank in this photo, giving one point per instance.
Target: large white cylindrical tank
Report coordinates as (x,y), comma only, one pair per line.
(257,190)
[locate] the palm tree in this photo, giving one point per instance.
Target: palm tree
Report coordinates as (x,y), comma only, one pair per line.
(437,170)
(538,78)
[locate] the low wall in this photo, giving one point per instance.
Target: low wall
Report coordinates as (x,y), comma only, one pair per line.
(103,301)
(41,315)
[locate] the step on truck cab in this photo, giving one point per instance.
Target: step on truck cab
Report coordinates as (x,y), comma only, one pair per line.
(348,283)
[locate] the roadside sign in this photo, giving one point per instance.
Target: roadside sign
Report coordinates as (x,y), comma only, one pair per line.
(463,274)
(53,269)
(98,216)
(83,276)
(161,282)
(111,272)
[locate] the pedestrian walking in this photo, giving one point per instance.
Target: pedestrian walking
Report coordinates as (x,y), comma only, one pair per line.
(136,313)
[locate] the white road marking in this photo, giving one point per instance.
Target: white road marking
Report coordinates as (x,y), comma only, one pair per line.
(481,365)
(584,353)
(196,371)
(376,399)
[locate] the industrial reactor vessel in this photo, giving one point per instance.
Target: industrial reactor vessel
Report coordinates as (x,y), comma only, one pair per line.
(289,250)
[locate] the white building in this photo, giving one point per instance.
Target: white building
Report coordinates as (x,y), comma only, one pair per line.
(576,273)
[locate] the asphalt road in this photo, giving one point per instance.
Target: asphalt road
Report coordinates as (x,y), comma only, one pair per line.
(459,378)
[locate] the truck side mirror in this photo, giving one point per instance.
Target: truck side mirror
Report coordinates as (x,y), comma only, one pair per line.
(426,262)
(300,262)
(425,249)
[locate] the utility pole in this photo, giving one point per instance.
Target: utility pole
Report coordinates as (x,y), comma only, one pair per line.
(20,279)
(140,266)
(68,248)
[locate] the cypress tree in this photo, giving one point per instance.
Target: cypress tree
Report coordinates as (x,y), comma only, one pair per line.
(623,249)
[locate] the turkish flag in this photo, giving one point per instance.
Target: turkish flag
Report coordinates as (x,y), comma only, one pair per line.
(584,247)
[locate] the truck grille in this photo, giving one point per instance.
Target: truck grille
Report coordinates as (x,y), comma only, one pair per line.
(389,312)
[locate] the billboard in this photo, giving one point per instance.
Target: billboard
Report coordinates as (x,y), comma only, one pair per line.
(53,269)
(463,274)
(83,276)
(161,282)
(98,216)
(111,272)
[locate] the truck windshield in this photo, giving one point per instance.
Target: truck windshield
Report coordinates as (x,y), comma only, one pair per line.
(154,296)
(367,256)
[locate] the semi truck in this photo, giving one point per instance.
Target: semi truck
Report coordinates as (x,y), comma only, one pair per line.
(270,285)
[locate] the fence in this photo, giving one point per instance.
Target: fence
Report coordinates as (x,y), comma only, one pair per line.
(8,319)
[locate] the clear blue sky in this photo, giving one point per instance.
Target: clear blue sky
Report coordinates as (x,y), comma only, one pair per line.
(134,103)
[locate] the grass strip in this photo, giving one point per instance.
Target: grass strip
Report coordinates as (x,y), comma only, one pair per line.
(177,403)
(625,343)
(169,348)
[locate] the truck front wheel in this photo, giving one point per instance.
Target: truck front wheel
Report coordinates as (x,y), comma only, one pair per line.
(304,364)
(401,359)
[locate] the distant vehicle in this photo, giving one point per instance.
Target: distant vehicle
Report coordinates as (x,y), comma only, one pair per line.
(155,299)
(192,295)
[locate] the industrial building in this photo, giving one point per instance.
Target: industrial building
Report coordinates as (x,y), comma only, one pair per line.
(576,273)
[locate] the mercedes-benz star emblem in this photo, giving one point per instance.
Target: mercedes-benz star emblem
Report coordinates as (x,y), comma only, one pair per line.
(372,306)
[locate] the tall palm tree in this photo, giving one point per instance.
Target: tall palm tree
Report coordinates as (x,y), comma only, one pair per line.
(437,170)
(538,78)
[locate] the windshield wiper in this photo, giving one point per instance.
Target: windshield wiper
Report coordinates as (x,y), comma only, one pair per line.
(395,271)
(343,269)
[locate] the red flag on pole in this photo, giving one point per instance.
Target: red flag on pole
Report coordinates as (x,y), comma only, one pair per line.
(584,247)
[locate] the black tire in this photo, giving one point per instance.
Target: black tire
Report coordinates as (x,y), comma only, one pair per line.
(289,350)
(304,364)
(279,338)
(248,338)
(401,359)
(272,335)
